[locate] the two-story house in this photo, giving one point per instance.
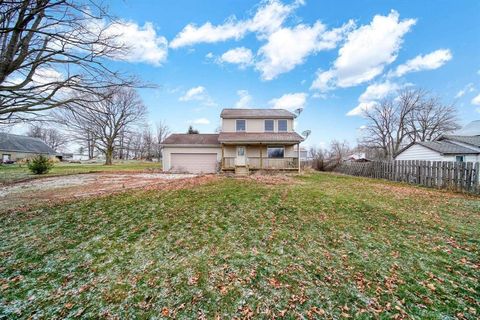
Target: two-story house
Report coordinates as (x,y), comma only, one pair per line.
(250,139)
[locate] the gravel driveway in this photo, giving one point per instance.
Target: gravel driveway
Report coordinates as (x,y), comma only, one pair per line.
(54,189)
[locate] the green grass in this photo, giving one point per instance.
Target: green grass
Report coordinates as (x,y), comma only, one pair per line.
(15,172)
(326,245)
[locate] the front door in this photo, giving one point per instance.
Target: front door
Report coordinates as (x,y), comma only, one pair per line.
(240,160)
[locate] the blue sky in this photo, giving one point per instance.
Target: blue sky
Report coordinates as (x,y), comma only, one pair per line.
(332,58)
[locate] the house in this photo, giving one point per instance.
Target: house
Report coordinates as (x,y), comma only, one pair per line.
(75,157)
(357,157)
(249,139)
(15,147)
(463,146)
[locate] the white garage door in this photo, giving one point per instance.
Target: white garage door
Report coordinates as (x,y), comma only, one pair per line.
(194,162)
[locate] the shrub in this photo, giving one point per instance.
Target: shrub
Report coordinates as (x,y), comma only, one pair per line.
(40,164)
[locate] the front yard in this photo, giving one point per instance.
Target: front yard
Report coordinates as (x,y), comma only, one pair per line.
(318,245)
(18,172)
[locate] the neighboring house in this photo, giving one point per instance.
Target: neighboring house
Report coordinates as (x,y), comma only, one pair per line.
(304,156)
(250,139)
(14,147)
(75,157)
(463,146)
(357,157)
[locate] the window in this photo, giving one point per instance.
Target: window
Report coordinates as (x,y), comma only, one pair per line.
(240,125)
(275,152)
(459,158)
(268,125)
(282,125)
(5,157)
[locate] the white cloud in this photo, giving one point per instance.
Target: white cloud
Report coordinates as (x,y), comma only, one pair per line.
(430,61)
(372,95)
(209,55)
(289,101)
(288,47)
(476,100)
(468,88)
(200,94)
(195,93)
(366,52)
(245,100)
(142,43)
(241,56)
(269,17)
(200,121)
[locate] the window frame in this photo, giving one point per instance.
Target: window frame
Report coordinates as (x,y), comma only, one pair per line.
(460,156)
(244,125)
(286,125)
(265,125)
(276,147)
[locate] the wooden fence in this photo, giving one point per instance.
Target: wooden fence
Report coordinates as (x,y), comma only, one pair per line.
(459,176)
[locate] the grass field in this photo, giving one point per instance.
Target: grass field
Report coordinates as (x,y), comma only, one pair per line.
(320,245)
(15,172)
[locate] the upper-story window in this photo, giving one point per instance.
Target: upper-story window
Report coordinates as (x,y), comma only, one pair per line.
(282,125)
(269,125)
(240,125)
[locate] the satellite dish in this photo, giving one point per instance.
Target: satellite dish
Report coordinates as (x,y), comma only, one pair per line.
(306,133)
(298,111)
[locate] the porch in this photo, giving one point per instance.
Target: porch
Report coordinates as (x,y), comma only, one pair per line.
(257,163)
(260,157)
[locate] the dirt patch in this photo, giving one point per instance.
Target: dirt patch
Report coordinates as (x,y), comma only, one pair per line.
(271,179)
(58,189)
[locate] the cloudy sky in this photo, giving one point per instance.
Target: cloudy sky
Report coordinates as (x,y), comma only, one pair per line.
(332,58)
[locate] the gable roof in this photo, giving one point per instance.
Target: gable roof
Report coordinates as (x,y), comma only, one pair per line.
(472,140)
(256,113)
(445,147)
(260,137)
(192,139)
(17,143)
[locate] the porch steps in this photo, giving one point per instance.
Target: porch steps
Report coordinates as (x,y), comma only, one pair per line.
(241,170)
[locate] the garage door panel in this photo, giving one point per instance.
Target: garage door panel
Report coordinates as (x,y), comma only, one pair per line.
(194,162)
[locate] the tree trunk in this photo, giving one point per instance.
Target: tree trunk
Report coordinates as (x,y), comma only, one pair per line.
(109,156)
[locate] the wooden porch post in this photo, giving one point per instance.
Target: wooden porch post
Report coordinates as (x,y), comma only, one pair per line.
(261,157)
(223,158)
(298,159)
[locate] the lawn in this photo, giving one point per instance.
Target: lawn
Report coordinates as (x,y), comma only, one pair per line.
(318,245)
(15,172)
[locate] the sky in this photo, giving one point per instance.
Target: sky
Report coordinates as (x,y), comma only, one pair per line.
(331,58)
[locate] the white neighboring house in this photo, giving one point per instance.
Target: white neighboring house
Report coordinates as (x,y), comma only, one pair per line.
(463,146)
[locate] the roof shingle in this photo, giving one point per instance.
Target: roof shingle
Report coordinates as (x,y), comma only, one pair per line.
(17,143)
(472,140)
(196,139)
(446,147)
(260,137)
(256,113)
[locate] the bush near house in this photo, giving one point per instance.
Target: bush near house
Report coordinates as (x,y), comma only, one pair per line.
(40,164)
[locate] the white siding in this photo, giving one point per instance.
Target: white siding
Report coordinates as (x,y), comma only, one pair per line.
(167,153)
(253,125)
(418,152)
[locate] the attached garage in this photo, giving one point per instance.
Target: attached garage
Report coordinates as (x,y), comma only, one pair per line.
(193,162)
(193,153)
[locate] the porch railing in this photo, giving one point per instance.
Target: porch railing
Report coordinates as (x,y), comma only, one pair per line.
(263,163)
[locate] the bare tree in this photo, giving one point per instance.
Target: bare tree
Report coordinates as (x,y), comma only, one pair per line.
(432,120)
(50,49)
(411,116)
(104,120)
(51,136)
(162,132)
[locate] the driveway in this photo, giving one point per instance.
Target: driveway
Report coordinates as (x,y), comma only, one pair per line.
(24,195)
